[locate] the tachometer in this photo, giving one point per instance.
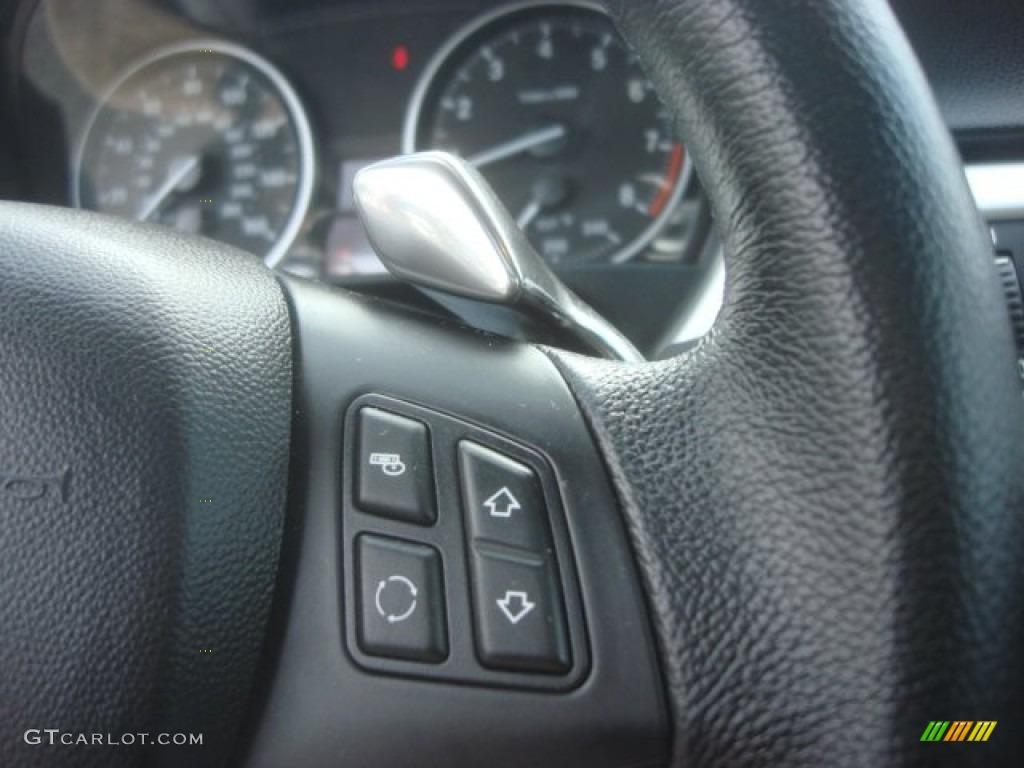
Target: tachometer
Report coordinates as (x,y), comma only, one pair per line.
(206,137)
(547,102)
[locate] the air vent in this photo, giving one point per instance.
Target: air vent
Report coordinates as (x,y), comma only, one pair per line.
(1008,239)
(1010,281)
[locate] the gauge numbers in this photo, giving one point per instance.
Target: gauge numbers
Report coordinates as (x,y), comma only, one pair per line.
(205,137)
(548,104)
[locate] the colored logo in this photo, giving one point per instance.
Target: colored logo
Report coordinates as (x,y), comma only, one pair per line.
(958,730)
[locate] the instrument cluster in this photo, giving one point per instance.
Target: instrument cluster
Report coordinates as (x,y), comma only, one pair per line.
(251,133)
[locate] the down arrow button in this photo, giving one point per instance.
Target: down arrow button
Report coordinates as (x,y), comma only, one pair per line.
(520,621)
(516,605)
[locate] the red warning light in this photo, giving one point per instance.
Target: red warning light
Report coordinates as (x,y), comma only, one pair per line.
(400,58)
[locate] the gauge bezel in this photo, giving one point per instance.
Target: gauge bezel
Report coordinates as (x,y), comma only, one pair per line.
(293,105)
(445,57)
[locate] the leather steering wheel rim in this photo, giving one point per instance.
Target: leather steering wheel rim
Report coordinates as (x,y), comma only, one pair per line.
(825,497)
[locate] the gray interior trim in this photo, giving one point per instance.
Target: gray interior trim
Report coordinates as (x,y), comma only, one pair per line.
(998,188)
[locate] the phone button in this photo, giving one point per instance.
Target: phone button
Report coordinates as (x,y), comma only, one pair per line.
(395,476)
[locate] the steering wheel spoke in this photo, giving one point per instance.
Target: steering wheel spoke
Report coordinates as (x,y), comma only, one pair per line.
(541,643)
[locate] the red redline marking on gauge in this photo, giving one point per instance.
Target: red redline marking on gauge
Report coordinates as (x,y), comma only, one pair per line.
(675,166)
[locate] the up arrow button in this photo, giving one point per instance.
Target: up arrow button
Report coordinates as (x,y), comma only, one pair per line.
(502,504)
(502,501)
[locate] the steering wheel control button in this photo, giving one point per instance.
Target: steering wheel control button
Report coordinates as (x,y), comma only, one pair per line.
(502,500)
(401,600)
(483,592)
(520,624)
(395,477)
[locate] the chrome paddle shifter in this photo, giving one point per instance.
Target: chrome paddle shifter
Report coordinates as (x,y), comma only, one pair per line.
(435,222)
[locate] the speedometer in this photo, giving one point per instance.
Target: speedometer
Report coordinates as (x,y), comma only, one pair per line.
(547,102)
(206,137)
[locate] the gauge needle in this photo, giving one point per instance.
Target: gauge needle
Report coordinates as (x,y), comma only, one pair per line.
(174,178)
(548,192)
(528,214)
(518,145)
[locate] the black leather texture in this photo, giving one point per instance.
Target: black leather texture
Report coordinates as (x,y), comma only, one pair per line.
(826,496)
(145,399)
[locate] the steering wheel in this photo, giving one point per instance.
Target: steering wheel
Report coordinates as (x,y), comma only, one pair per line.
(798,544)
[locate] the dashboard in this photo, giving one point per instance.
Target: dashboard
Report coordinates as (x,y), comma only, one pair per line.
(247,120)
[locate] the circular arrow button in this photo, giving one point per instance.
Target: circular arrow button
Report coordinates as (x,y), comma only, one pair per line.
(395,598)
